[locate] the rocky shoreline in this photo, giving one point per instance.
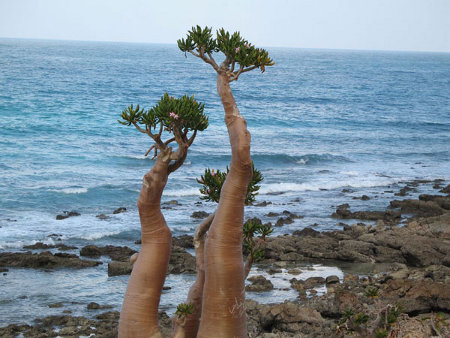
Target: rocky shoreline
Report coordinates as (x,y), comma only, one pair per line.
(404,289)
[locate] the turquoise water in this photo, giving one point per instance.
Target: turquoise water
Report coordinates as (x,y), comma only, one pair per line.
(321,121)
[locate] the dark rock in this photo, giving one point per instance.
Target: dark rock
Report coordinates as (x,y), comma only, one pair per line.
(362,198)
(259,284)
(102,216)
(119,210)
(117,253)
(284,220)
(306,232)
(199,214)
(93,306)
(67,214)
(332,280)
(445,190)
(262,204)
(184,241)
(273,214)
(418,207)
(43,246)
(312,282)
(181,261)
(119,268)
(55,305)
(43,260)
(404,191)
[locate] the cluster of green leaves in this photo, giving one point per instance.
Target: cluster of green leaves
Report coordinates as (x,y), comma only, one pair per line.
(252,227)
(184,113)
(236,48)
(381,333)
(393,313)
(198,39)
(371,292)
(212,182)
(184,309)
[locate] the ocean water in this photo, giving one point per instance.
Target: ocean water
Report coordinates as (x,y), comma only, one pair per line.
(321,121)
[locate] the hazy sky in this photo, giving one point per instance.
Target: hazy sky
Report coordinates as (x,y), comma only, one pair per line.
(356,24)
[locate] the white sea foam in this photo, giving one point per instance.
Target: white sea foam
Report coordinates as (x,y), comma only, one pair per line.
(72,190)
(355,183)
(98,235)
(184,192)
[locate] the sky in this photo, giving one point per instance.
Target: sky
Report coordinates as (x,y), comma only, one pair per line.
(416,25)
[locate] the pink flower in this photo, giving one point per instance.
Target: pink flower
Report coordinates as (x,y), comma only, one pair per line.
(208,191)
(212,172)
(247,45)
(237,50)
(172,114)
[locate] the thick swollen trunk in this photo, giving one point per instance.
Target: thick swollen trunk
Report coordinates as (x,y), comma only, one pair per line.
(223,313)
(189,328)
(139,315)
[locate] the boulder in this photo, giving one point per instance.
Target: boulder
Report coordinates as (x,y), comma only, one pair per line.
(67,214)
(119,210)
(258,284)
(44,260)
(199,214)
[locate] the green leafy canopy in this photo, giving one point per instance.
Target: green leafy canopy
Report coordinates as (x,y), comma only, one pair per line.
(212,182)
(233,46)
(184,113)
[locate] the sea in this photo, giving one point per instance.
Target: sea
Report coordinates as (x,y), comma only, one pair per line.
(327,126)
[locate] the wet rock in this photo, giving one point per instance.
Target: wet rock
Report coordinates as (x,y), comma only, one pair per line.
(306,232)
(262,204)
(67,214)
(259,284)
(43,260)
(119,268)
(332,280)
(284,220)
(418,207)
(91,251)
(43,246)
(404,191)
(273,214)
(102,217)
(445,190)
(55,305)
(343,212)
(199,214)
(117,253)
(181,261)
(119,210)
(96,306)
(184,241)
(312,282)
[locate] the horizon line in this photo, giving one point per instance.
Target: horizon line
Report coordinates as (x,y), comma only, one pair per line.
(286,47)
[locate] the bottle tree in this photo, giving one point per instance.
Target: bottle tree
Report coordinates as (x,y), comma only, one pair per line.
(171,122)
(223,309)
(189,314)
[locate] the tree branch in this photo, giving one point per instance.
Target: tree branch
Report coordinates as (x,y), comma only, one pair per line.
(169,141)
(148,151)
(202,56)
(235,75)
(139,128)
(189,142)
(203,228)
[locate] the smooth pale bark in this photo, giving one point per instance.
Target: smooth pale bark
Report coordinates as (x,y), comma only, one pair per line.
(189,328)
(223,312)
(139,314)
